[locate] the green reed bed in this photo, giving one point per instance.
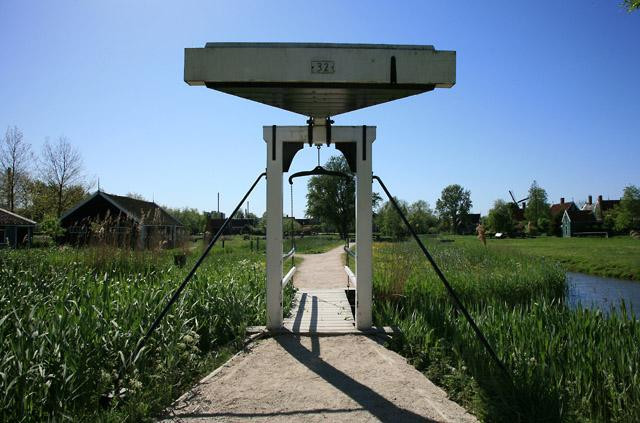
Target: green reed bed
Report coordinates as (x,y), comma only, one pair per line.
(69,319)
(566,365)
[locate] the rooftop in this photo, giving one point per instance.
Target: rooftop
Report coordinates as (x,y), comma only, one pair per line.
(581,216)
(607,204)
(12,219)
(559,208)
(141,211)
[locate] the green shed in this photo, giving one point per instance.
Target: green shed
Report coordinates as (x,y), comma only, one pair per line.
(579,221)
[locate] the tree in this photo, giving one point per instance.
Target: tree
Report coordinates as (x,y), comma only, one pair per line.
(50,225)
(331,200)
(290,224)
(500,217)
(631,5)
(193,220)
(421,217)
(389,221)
(625,216)
(61,167)
(537,211)
(43,199)
(555,224)
(136,196)
(15,160)
(453,206)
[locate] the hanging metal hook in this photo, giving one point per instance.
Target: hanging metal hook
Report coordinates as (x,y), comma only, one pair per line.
(310,123)
(327,124)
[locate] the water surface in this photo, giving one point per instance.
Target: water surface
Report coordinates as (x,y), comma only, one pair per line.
(606,294)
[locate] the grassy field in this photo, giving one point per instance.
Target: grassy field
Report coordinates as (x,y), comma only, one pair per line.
(70,318)
(617,257)
(316,244)
(307,245)
(565,365)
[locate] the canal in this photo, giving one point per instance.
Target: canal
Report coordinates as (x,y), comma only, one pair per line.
(606,294)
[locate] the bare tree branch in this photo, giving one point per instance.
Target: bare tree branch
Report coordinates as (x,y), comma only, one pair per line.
(61,167)
(16,161)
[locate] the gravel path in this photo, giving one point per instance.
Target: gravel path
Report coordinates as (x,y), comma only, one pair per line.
(321,271)
(288,378)
(317,379)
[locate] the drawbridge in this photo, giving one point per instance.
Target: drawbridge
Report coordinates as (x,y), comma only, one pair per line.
(307,376)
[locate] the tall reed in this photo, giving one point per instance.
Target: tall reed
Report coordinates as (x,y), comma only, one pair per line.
(66,326)
(566,365)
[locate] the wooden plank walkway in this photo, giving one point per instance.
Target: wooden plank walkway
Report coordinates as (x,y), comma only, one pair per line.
(320,311)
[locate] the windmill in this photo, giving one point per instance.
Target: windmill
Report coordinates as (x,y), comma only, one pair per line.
(517,203)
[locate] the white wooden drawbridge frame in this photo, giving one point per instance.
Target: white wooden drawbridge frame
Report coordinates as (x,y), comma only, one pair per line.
(356,139)
(319,81)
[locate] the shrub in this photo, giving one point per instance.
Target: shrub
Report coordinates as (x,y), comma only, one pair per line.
(50,226)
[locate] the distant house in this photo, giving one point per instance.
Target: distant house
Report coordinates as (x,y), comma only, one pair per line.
(589,219)
(556,213)
(235,226)
(575,222)
(121,220)
(588,205)
(307,222)
(15,230)
(558,209)
(602,206)
(309,226)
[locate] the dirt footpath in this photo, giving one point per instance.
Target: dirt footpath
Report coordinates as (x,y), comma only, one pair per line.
(317,379)
(321,271)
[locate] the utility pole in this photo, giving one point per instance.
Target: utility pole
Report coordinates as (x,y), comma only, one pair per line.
(218,203)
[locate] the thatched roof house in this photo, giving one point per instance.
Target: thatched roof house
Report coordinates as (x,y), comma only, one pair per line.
(15,230)
(130,220)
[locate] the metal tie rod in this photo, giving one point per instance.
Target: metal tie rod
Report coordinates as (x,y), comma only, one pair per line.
(452,293)
(178,291)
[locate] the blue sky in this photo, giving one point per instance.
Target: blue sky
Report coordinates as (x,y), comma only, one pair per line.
(545,90)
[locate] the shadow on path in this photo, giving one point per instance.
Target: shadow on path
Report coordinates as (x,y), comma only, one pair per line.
(368,399)
(268,414)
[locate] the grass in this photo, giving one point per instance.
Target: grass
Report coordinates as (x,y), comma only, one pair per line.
(617,257)
(566,365)
(70,318)
(315,244)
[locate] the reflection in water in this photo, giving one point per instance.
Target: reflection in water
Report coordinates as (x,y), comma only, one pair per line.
(596,292)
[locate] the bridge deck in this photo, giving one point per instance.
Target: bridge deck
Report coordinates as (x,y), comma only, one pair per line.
(321,311)
(292,378)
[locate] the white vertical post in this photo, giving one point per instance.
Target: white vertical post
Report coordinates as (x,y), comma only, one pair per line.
(274,229)
(364,230)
